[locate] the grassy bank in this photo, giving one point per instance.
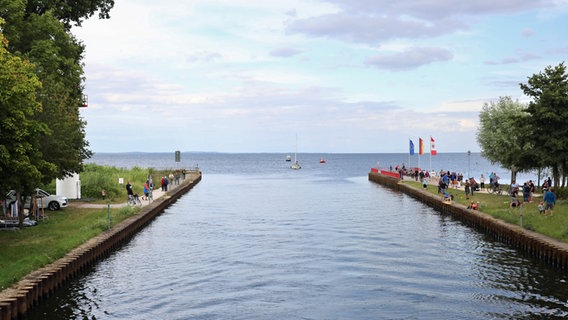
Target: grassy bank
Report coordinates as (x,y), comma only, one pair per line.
(23,251)
(498,206)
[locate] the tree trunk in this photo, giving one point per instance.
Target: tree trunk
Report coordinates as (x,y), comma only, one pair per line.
(556,177)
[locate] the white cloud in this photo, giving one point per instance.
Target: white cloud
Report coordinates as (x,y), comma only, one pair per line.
(409,59)
(241,75)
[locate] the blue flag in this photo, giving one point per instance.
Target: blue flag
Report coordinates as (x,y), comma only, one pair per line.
(411,147)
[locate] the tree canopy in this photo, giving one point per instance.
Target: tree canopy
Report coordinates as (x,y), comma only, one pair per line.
(548,119)
(41,131)
(530,136)
(501,135)
(21,163)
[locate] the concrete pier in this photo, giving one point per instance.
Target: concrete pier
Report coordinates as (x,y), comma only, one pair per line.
(546,249)
(16,301)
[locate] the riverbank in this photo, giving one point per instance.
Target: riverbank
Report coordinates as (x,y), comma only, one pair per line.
(537,245)
(36,286)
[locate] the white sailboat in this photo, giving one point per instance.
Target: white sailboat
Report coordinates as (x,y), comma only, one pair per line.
(296,165)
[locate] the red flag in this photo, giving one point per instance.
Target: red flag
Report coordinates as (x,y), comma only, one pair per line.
(421,146)
(432,147)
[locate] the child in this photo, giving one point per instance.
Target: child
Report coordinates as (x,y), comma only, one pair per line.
(541,207)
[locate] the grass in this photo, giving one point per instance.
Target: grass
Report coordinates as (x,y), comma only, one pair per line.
(25,250)
(498,206)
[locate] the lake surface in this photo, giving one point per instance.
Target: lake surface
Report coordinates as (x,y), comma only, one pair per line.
(257,240)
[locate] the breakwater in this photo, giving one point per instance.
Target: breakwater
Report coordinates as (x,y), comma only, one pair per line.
(17,300)
(546,249)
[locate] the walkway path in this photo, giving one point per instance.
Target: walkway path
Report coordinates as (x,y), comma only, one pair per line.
(156,193)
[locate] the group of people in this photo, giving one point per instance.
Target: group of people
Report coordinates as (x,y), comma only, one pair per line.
(148,188)
(447,179)
(171,179)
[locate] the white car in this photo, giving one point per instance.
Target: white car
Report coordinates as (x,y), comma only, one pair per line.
(43,198)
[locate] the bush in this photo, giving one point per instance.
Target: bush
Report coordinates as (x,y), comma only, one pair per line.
(95,178)
(561,193)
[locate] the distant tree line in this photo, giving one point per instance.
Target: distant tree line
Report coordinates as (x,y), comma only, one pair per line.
(42,136)
(533,136)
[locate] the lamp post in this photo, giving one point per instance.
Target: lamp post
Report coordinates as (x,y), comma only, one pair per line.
(468,164)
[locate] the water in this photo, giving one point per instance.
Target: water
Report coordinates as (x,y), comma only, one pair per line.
(257,240)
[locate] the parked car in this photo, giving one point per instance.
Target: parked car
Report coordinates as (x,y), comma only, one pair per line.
(43,199)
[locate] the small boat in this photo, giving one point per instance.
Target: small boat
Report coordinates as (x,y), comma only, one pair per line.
(296,165)
(288,158)
(322,160)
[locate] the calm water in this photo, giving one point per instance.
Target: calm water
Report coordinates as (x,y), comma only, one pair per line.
(257,240)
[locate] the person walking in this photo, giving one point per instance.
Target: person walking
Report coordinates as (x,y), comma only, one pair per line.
(549,201)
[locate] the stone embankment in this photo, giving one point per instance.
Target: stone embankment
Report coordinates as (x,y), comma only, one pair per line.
(541,247)
(16,301)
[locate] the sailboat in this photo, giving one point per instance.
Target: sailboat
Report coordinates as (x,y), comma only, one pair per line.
(296,165)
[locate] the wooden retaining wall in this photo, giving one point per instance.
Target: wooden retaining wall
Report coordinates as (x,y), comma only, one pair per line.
(549,250)
(16,301)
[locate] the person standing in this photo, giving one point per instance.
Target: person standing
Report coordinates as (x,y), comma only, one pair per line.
(146,190)
(467,189)
(549,201)
(482,182)
(129,190)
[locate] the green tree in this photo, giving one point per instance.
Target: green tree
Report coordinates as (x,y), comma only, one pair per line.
(59,57)
(549,117)
(39,31)
(70,11)
(501,135)
(22,166)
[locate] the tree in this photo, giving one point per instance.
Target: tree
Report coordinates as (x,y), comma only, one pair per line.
(22,165)
(59,56)
(501,134)
(39,32)
(549,116)
(70,11)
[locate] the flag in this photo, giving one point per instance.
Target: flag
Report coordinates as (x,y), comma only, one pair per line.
(420,146)
(411,147)
(432,147)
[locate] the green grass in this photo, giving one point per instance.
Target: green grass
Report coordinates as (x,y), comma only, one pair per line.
(498,206)
(25,250)
(95,178)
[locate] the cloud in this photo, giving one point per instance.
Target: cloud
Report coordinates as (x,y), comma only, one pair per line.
(203,57)
(440,9)
(409,59)
(527,32)
(510,60)
(285,52)
(370,29)
(375,21)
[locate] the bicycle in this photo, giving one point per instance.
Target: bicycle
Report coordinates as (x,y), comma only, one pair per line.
(134,200)
(495,189)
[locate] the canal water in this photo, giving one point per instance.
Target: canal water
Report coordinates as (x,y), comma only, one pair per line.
(257,240)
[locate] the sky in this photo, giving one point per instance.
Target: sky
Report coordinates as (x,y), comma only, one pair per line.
(322,76)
